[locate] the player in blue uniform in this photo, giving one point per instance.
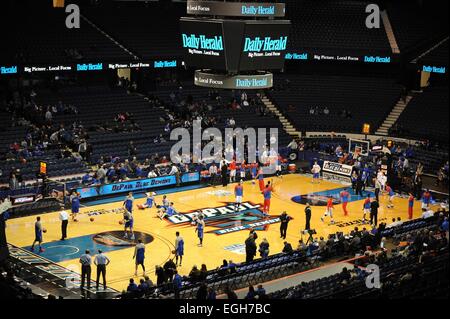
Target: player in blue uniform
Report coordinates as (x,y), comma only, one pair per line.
(149,201)
(179,248)
(128,224)
(128,203)
(38,230)
(365,175)
(75,201)
(238,193)
(199,229)
(139,256)
(169,211)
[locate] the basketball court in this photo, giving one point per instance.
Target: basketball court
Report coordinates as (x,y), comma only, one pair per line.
(225,233)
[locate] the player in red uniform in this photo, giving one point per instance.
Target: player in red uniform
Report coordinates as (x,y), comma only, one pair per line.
(267,193)
(232,168)
(344,199)
(260,178)
(410,205)
(329,210)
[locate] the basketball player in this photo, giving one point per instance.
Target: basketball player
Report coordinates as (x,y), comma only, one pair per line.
(232,168)
(377,188)
(199,229)
(149,201)
(238,193)
(267,193)
(128,224)
(139,255)
(75,201)
(316,173)
(169,211)
(253,171)
(165,202)
(260,178)
(329,210)
(410,205)
(366,207)
(128,203)
(426,199)
(38,235)
(344,198)
(179,248)
(391,195)
(242,171)
(382,179)
(278,166)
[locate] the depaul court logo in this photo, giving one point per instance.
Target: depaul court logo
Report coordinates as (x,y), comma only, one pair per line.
(225,220)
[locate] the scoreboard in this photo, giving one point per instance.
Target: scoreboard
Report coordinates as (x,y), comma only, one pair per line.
(234,45)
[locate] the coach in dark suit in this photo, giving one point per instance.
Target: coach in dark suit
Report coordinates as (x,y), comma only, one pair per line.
(374,212)
(250,248)
(224,173)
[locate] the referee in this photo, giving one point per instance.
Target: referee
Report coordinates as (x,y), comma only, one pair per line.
(64,218)
(101,261)
(86,261)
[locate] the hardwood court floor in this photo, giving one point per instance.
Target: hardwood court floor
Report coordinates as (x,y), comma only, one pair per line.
(85,234)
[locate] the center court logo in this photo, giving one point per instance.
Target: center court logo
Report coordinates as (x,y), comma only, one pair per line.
(115,239)
(226,220)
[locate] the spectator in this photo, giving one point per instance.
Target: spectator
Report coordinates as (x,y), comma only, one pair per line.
(132,287)
(287,249)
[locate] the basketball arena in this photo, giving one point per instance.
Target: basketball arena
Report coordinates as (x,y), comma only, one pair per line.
(208,150)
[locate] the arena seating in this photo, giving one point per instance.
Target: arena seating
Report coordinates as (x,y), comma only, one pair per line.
(427,115)
(437,56)
(244,117)
(27,45)
(334,27)
(98,106)
(148,30)
(368,100)
(415,26)
(429,277)
(282,264)
(427,269)
(58,167)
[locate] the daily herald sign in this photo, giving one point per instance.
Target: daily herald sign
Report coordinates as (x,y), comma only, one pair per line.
(235,9)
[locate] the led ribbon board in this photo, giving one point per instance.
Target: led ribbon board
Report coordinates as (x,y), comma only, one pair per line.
(235,9)
(259,80)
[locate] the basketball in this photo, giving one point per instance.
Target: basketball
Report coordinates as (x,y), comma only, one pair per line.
(91,219)
(120,222)
(44,230)
(173,252)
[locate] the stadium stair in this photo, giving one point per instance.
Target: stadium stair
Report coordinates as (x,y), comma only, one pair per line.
(389,32)
(393,116)
(288,127)
(110,38)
